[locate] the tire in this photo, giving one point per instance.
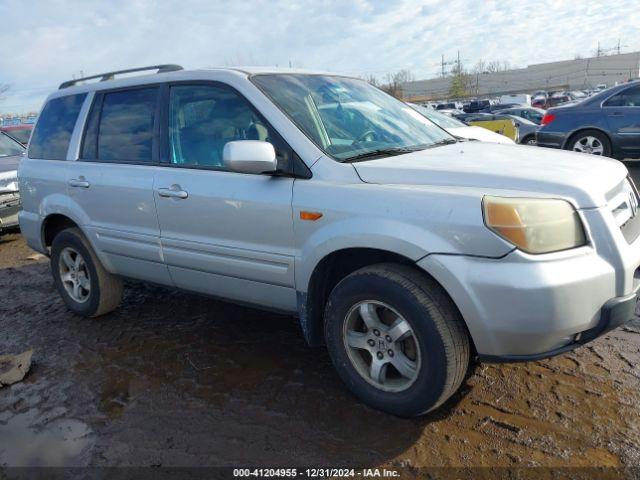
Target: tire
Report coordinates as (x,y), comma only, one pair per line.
(586,137)
(439,341)
(530,140)
(101,291)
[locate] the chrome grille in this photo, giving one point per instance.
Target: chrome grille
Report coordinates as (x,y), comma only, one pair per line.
(624,203)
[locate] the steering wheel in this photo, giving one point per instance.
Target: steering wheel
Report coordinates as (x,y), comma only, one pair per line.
(367,136)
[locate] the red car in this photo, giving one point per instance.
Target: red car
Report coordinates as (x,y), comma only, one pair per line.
(21,133)
(539,102)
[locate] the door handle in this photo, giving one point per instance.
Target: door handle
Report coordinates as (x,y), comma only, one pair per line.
(79,182)
(171,193)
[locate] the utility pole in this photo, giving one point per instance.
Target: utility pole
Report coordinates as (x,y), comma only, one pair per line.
(599,51)
(442,64)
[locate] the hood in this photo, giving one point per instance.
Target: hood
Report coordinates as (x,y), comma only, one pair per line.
(8,164)
(584,178)
(479,133)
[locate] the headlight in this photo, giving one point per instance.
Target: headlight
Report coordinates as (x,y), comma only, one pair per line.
(534,225)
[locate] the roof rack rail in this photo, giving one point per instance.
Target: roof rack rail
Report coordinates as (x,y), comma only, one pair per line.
(110,75)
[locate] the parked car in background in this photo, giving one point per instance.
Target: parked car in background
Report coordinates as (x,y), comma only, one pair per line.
(528,113)
(519,98)
(502,126)
(539,102)
(607,123)
(476,105)
(11,151)
(449,106)
(498,106)
(459,129)
(576,95)
(524,131)
(557,99)
(21,132)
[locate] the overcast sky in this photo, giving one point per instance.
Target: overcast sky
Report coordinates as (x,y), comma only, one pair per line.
(47,42)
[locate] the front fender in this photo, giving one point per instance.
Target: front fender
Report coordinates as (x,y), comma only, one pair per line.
(391,235)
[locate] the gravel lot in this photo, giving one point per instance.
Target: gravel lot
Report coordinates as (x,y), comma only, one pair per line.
(174,379)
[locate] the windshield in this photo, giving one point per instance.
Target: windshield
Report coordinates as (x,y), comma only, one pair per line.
(9,147)
(348,118)
(22,135)
(440,119)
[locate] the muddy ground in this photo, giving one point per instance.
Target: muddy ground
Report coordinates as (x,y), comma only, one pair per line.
(174,379)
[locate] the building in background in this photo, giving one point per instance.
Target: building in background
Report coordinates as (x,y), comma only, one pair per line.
(584,73)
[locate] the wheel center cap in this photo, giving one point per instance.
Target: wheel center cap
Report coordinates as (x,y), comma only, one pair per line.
(382,346)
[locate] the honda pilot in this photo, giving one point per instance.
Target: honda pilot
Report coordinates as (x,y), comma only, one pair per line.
(406,252)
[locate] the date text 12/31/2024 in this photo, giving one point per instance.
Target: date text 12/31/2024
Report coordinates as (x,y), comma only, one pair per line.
(315,473)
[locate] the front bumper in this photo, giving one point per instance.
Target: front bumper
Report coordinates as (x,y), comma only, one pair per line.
(9,209)
(614,313)
(525,307)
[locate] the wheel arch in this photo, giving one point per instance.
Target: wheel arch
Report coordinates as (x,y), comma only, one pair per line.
(53,224)
(585,129)
(528,137)
(327,274)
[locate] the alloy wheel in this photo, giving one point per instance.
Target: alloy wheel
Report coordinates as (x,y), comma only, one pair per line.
(74,275)
(381,346)
(590,145)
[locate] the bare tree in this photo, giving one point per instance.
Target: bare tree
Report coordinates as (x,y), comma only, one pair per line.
(480,67)
(498,66)
(393,82)
(373,80)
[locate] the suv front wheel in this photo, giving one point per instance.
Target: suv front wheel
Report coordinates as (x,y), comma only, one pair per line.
(83,283)
(396,339)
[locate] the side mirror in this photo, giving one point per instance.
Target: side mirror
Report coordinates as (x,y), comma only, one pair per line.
(250,156)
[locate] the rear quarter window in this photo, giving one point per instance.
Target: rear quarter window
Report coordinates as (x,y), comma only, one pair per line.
(50,139)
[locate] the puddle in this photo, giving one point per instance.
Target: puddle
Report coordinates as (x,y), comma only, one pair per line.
(26,442)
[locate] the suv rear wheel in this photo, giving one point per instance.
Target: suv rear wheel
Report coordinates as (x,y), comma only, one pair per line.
(396,339)
(83,283)
(590,141)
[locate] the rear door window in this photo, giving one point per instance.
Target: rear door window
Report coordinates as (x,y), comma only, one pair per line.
(626,98)
(121,127)
(50,139)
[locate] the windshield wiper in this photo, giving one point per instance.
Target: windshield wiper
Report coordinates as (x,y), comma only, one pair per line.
(446,141)
(381,152)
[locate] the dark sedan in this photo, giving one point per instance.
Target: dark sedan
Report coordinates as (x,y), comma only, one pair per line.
(607,123)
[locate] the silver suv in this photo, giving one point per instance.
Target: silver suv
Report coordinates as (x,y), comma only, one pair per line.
(405,251)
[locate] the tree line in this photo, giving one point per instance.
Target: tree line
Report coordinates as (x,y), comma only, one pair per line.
(462,81)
